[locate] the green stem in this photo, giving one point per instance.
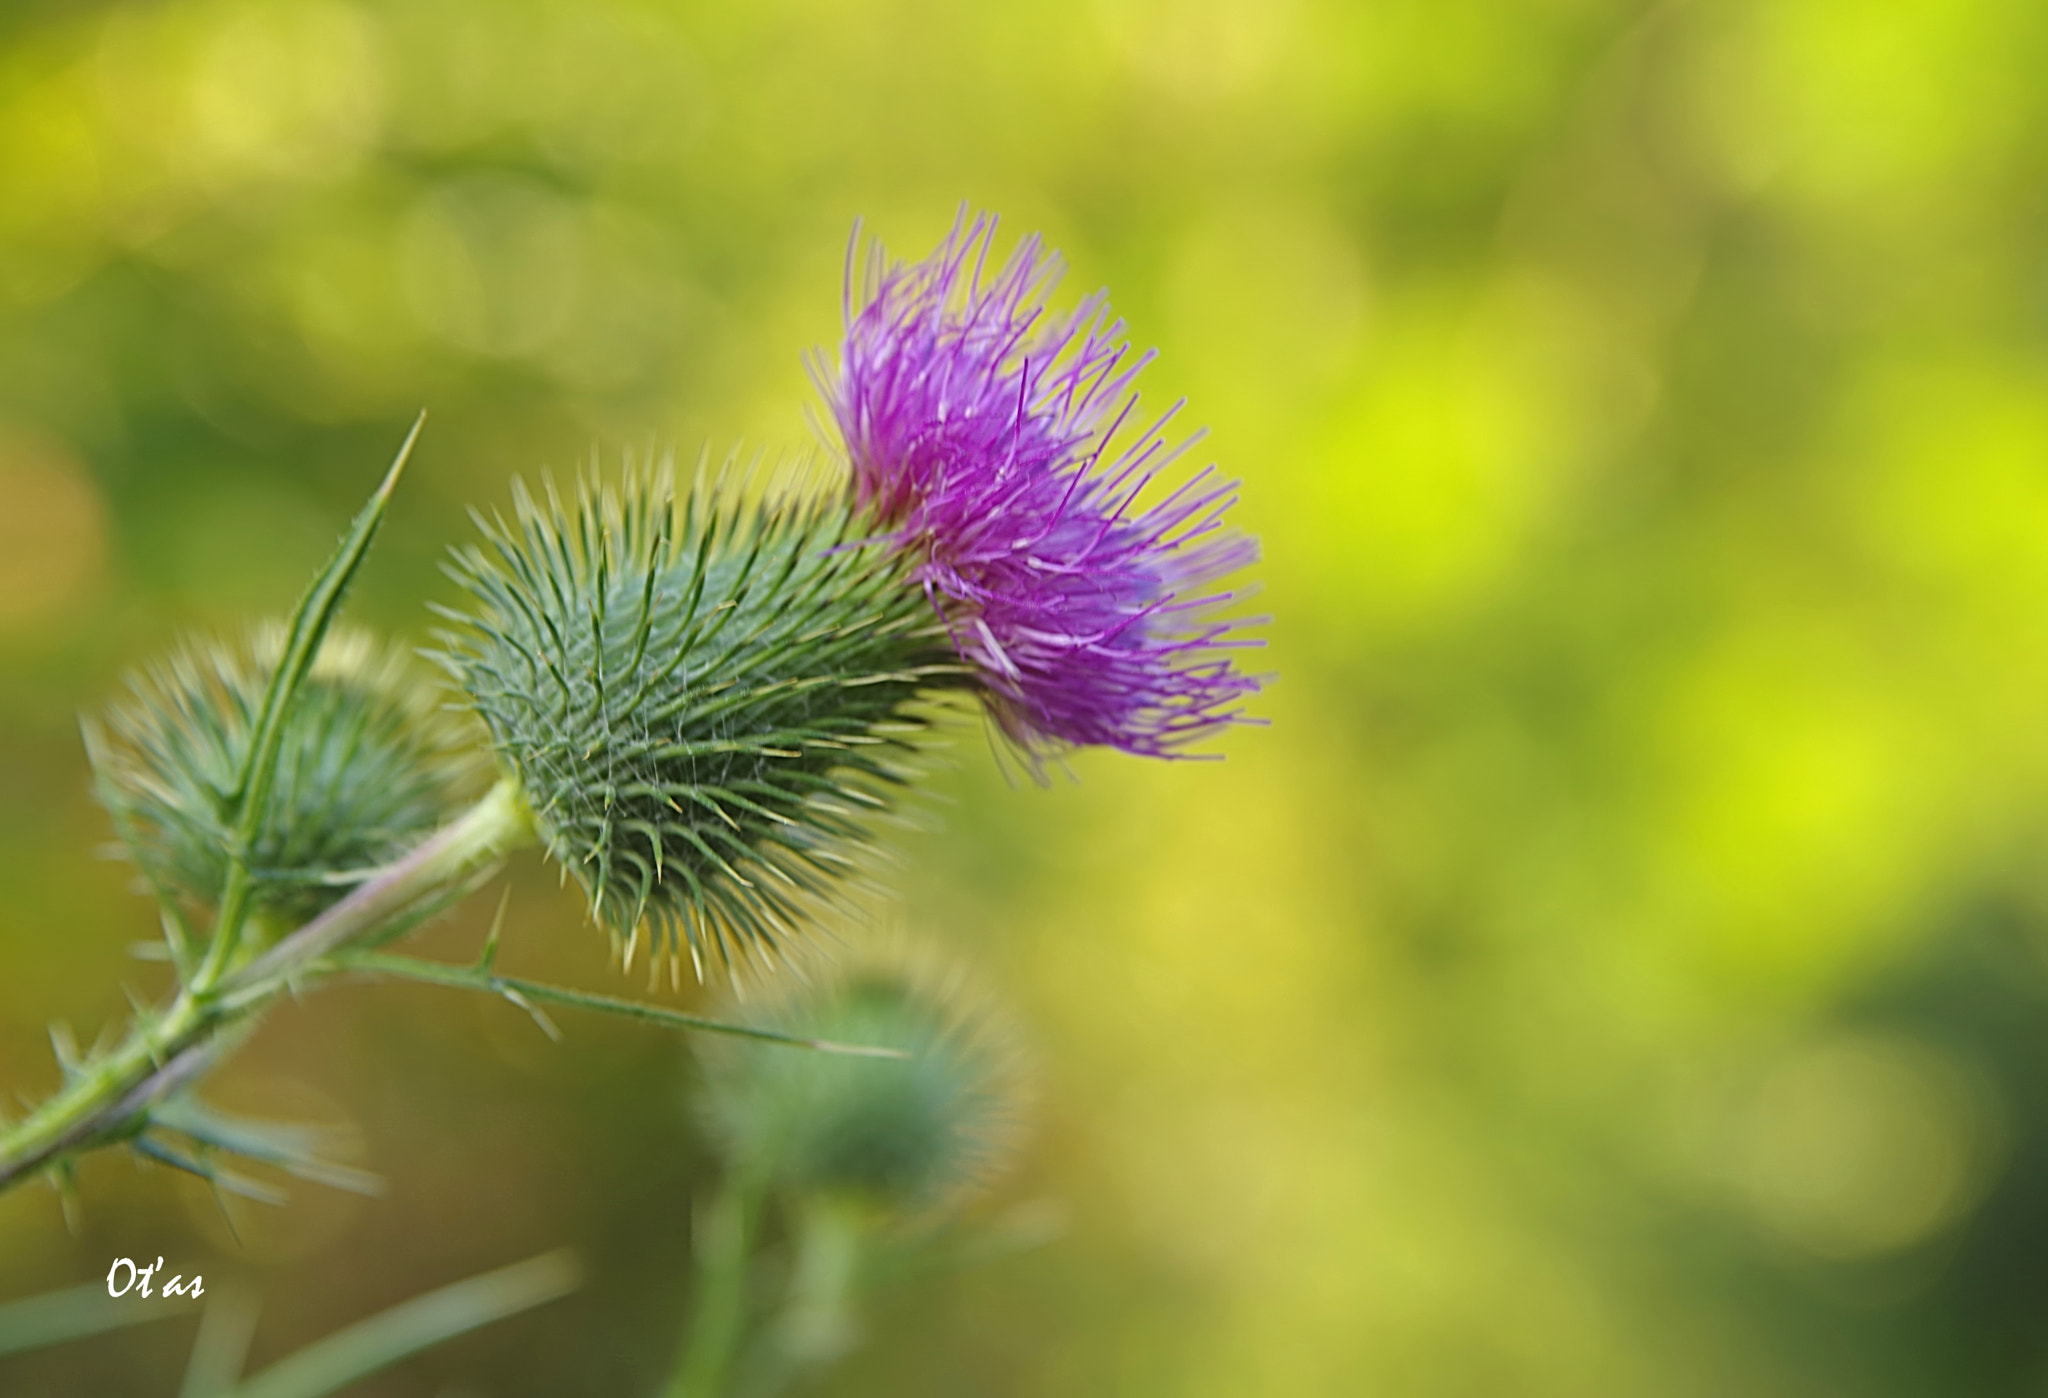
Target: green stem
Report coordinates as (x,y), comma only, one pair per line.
(527,994)
(98,1103)
(819,1320)
(718,1314)
(109,1099)
(488,830)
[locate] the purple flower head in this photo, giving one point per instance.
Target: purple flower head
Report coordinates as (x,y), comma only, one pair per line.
(979,429)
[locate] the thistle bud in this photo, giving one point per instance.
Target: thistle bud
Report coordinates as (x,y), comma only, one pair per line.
(704,700)
(368,765)
(911,1134)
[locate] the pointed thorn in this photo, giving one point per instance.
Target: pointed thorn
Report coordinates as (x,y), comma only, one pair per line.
(489,958)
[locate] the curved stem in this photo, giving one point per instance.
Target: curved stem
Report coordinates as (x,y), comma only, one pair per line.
(491,828)
(109,1098)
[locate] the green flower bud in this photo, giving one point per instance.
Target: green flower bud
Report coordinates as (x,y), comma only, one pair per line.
(911,1135)
(370,763)
(704,700)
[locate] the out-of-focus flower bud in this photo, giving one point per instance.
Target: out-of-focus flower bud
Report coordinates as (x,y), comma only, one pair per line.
(913,1135)
(370,763)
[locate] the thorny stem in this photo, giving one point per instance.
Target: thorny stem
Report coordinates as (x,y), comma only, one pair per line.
(110,1098)
(101,1103)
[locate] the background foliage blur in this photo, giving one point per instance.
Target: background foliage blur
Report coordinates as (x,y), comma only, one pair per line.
(1619,969)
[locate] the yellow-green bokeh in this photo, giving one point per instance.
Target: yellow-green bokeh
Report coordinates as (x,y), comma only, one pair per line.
(1617,969)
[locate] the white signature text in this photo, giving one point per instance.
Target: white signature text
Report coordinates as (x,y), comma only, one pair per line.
(134,1276)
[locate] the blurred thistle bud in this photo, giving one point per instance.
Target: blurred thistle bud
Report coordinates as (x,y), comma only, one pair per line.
(704,700)
(370,762)
(912,1135)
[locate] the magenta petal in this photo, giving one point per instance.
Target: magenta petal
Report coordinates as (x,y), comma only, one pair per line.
(979,429)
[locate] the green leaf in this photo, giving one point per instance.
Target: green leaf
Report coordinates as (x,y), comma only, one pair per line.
(289,1146)
(307,628)
(74,1313)
(225,1329)
(329,1365)
(223,1181)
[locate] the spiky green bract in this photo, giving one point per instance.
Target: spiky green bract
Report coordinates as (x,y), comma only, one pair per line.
(911,1135)
(369,763)
(704,699)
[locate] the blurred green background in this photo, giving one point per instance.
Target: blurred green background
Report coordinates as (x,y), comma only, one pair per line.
(1620,967)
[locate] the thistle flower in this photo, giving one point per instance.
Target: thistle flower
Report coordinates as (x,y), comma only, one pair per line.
(914,1135)
(980,432)
(369,764)
(704,701)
